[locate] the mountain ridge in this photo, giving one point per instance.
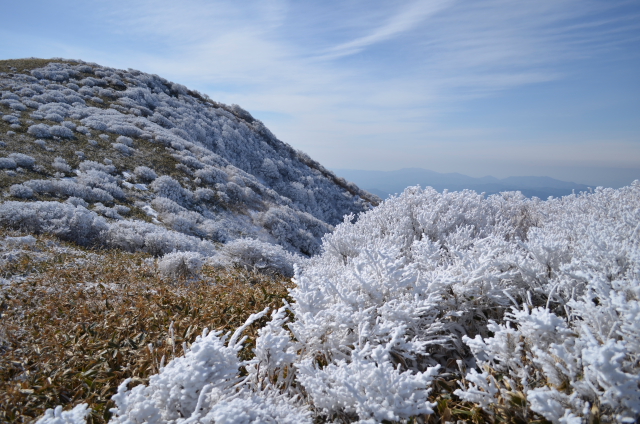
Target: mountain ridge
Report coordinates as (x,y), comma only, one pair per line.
(134,154)
(385,183)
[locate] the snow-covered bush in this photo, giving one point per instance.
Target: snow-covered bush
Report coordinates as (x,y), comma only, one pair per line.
(180,264)
(60,165)
(95,178)
(77,415)
(63,220)
(88,165)
(202,386)
(255,254)
(59,131)
(69,188)
(70,125)
(427,272)
(54,117)
(123,148)
(107,211)
(21,191)
(23,160)
(76,201)
(211,175)
(136,236)
(8,163)
(20,242)
(165,186)
(296,230)
(40,130)
(125,140)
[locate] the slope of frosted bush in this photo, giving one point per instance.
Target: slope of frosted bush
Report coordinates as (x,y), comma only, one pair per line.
(72,221)
(545,294)
(245,176)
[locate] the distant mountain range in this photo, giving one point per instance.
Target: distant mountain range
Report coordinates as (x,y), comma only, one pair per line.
(386,183)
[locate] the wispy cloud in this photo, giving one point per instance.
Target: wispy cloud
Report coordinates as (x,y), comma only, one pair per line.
(406,19)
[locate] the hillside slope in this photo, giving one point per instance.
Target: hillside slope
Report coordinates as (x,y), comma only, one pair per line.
(145,164)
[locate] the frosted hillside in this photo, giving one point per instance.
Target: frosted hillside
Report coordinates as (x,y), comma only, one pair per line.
(127,159)
(530,308)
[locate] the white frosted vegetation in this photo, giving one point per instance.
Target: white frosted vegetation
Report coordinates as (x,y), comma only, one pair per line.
(60,165)
(544,294)
(234,162)
(180,264)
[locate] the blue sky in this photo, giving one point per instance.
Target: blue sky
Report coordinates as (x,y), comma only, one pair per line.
(495,87)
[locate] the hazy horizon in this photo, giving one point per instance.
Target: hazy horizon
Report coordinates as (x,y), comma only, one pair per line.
(593,177)
(489,88)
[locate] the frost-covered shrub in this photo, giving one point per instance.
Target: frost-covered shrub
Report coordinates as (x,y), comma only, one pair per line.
(98,179)
(145,174)
(165,186)
(255,254)
(69,125)
(122,148)
(54,117)
(270,169)
(425,271)
(212,175)
(63,220)
(76,201)
(11,119)
(293,229)
(107,211)
(88,165)
(121,209)
(20,190)
(165,205)
(204,195)
(135,236)
(60,165)
(40,130)
(17,106)
(20,242)
(7,95)
(69,188)
(23,160)
(8,163)
(60,131)
(77,415)
(127,141)
(180,264)
(126,130)
(200,387)
(40,143)
(83,130)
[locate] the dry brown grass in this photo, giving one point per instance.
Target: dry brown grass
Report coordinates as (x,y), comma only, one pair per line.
(82,321)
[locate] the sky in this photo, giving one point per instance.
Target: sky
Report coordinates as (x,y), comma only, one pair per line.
(489,87)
